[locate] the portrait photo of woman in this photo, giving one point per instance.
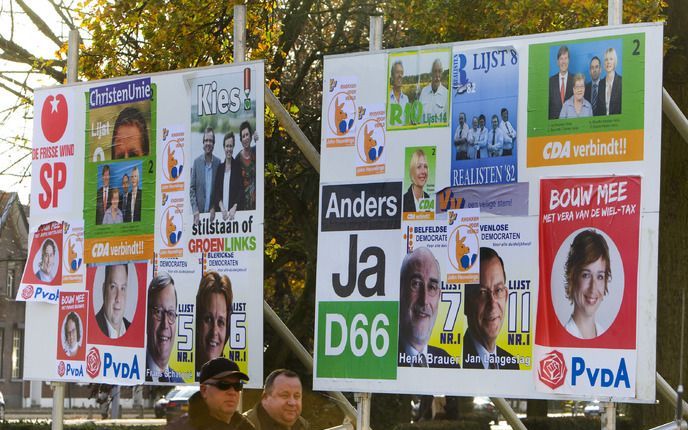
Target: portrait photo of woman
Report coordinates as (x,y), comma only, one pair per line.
(588,274)
(418,173)
(213,309)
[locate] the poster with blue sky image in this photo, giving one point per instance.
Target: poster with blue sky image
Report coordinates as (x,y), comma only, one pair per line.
(484,92)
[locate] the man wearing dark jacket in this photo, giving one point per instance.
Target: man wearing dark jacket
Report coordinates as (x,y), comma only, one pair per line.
(215,406)
(280,405)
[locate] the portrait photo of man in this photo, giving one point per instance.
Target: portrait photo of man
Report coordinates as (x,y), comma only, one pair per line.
(71,342)
(419,298)
(46,266)
(434,96)
(161,329)
(110,317)
(103,198)
(202,174)
(560,84)
(593,88)
(485,311)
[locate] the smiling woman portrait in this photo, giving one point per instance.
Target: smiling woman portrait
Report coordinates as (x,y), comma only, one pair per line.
(588,273)
(418,173)
(213,309)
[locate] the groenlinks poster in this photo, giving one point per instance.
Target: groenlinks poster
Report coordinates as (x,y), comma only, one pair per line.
(451,219)
(147,250)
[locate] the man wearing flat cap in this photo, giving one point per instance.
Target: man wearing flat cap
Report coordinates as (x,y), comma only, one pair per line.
(215,406)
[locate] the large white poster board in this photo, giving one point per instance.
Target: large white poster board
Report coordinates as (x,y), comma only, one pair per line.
(489,217)
(150,189)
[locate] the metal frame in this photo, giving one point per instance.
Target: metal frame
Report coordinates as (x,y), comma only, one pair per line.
(362,415)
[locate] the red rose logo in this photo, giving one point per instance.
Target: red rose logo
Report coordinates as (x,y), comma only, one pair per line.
(27,293)
(552,370)
(54,117)
(93,362)
(61,368)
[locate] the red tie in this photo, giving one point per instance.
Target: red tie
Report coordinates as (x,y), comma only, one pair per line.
(561,90)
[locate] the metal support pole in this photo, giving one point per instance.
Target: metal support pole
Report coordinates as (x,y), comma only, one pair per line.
(375,38)
(303,355)
(58,405)
(363,401)
(615,12)
(57,414)
(509,414)
(674,114)
(614,17)
(72,56)
(239,33)
(115,410)
(309,151)
(668,393)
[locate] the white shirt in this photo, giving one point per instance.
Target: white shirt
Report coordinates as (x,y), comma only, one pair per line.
(609,82)
(225,188)
(133,203)
(483,353)
(509,134)
(572,328)
(114,334)
(402,102)
(434,104)
(564,77)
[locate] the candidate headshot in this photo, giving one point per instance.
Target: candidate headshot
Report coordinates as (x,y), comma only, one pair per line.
(560,84)
(588,273)
(161,329)
(434,96)
(485,311)
(46,265)
(110,317)
(72,335)
(203,171)
(611,84)
(213,309)
(418,173)
(130,135)
(419,299)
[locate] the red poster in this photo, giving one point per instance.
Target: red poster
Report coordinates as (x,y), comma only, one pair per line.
(44,266)
(117,309)
(589,234)
(72,327)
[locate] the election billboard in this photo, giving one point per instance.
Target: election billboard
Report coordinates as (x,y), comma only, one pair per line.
(147,239)
(488,212)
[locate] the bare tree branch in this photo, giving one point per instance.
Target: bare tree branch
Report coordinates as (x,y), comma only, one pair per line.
(65,17)
(39,23)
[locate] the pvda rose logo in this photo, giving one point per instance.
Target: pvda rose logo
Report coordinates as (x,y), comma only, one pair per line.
(27,293)
(61,368)
(93,362)
(552,370)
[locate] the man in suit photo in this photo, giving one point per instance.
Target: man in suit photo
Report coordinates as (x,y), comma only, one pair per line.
(485,311)
(202,176)
(103,198)
(593,90)
(110,317)
(419,299)
(560,84)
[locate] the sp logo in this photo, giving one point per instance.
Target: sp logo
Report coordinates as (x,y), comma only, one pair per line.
(27,293)
(93,362)
(54,117)
(61,368)
(552,370)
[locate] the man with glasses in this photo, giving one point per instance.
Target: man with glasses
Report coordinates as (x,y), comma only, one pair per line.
(419,299)
(202,174)
(161,328)
(485,305)
(215,406)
